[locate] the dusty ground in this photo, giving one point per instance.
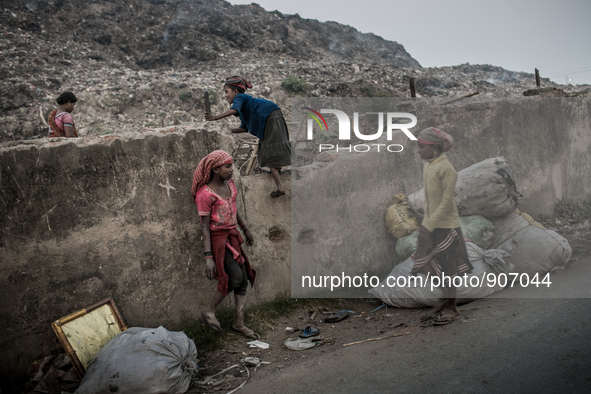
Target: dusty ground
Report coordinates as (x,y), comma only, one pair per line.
(359,326)
(411,324)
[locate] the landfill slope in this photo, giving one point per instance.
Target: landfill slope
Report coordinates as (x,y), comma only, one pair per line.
(140,64)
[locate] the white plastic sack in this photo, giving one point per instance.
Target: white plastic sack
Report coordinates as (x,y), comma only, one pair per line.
(142,360)
(506,228)
(485,189)
(415,296)
(540,251)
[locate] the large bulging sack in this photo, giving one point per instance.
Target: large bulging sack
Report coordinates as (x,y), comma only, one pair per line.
(411,294)
(540,251)
(142,360)
(476,228)
(506,227)
(486,188)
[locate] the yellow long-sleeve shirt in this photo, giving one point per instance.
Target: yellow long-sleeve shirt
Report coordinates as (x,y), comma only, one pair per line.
(440,185)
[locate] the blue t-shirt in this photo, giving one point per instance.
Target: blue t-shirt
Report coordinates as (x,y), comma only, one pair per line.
(253,113)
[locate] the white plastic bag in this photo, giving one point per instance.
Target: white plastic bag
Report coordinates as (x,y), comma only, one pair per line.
(142,360)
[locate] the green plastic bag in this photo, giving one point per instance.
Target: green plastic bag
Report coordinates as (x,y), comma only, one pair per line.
(407,245)
(477,228)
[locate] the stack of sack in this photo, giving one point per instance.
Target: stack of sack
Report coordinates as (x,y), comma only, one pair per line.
(486,198)
(398,290)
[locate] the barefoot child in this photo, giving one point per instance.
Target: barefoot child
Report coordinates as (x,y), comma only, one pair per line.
(263,119)
(441,248)
(215,194)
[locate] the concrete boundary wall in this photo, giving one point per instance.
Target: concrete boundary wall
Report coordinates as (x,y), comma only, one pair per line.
(112,216)
(90,218)
(545,140)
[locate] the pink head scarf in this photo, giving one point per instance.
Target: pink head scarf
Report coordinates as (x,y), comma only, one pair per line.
(202,173)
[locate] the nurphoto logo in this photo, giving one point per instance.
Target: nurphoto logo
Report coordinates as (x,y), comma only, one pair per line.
(344,122)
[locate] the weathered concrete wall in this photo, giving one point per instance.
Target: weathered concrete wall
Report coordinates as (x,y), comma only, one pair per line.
(112,216)
(545,140)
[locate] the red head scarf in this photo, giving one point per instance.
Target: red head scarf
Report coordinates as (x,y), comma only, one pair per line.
(202,173)
(238,82)
(434,136)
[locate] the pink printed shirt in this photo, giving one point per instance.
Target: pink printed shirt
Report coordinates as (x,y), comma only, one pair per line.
(222,211)
(63,119)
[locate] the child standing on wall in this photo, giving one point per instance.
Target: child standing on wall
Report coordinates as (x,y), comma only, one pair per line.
(441,248)
(263,119)
(215,195)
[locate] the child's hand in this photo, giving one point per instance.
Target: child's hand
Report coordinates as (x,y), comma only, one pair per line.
(210,117)
(210,269)
(249,238)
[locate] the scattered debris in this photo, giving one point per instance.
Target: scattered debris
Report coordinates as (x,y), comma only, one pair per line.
(381,306)
(376,339)
(258,344)
(302,343)
(338,316)
(309,332)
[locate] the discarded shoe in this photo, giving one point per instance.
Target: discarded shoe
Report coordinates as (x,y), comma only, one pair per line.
(338,316)
(302,343)
(309,332)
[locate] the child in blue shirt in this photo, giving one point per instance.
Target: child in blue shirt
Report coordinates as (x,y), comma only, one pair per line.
(263,119)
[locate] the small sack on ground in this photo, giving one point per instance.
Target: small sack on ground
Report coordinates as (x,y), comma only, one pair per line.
(486,188)
(142,360)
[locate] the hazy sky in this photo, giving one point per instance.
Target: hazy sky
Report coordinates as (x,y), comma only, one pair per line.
(518,35)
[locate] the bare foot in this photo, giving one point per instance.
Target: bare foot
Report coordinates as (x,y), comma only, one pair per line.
(210,321)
